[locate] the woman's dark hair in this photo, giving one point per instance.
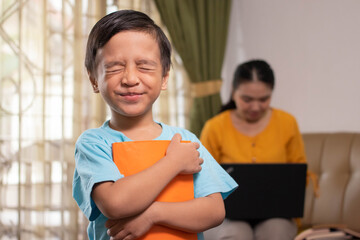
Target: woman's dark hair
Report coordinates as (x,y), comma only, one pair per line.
(125,20)
(254,70)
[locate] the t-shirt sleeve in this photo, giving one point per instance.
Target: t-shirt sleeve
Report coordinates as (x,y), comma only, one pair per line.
(212,178)
(93,164)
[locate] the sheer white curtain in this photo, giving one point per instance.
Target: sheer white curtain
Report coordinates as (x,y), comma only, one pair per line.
(44,107)
(46,102)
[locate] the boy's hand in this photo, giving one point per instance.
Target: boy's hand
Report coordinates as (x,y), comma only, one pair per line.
(184,155)
(129,228)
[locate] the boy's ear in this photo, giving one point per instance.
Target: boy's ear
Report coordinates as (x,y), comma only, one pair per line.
(165,81)
(93,83)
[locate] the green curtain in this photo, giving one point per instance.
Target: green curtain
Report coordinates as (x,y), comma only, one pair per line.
(198,31)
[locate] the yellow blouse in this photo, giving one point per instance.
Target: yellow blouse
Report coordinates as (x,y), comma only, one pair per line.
(279,142)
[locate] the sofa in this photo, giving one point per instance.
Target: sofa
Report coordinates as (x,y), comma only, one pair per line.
(335,159)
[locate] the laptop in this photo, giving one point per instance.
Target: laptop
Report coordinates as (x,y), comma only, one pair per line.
(266,190)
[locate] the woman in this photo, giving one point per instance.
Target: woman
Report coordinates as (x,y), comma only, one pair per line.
(248,130)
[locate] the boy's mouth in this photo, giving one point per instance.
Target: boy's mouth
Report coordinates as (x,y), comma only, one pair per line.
(131,96)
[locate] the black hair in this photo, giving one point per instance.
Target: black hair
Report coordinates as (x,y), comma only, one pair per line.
(254,70)
(125,20)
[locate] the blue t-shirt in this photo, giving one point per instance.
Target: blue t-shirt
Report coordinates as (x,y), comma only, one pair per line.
(94,164)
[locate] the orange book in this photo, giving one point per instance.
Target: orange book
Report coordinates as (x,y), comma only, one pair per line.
(135,156)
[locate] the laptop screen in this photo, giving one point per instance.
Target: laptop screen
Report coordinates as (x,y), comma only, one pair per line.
(266,190)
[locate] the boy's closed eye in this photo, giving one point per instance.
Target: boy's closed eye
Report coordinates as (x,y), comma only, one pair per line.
(146,65)
(114,67)
(114,70)
(145,68)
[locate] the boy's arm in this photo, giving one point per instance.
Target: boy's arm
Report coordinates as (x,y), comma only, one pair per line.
(133,194)
(196,215)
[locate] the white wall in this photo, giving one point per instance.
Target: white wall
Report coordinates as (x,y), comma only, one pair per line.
(314,49)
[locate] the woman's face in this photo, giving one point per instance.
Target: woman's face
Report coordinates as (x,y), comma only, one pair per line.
(252,100)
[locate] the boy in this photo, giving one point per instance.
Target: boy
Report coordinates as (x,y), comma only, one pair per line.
(128,62)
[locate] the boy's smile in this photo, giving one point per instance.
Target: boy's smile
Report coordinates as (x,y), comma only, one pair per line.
(129,74)
(130,96)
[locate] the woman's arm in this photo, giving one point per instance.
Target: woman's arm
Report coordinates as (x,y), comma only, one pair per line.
(295,147)
(194,216)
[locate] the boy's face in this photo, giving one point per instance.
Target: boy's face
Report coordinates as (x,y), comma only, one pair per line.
(129,74)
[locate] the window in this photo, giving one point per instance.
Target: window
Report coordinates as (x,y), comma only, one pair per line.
(46,102)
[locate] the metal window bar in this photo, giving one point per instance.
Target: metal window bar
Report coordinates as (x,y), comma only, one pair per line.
(25,226)
(51,155)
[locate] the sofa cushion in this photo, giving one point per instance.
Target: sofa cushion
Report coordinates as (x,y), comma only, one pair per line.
(335,158)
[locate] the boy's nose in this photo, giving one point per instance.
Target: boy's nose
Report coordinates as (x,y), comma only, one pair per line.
(130,78)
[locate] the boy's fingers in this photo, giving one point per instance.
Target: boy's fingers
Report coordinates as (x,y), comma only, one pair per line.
(176,137)
(109,223)
(197,145)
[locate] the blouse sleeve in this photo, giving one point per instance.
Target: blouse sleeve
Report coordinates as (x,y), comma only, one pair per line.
(295,147)
(296,154)
(211,139)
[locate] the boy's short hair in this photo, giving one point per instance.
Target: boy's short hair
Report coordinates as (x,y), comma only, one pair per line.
(125,20)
